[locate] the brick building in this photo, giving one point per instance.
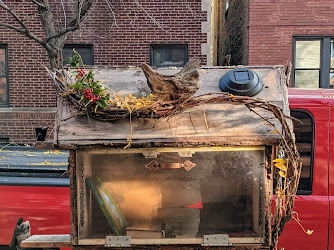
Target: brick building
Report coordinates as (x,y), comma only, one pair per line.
(267,32)
(115,33)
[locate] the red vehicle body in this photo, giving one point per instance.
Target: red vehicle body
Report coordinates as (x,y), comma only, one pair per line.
(48,208)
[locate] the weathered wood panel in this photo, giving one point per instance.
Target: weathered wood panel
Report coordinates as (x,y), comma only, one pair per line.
(217,124)
(47,241)
(73,196)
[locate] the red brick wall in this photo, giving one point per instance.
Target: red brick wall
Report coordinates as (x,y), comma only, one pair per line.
(126,43)
(20,127)
(272,24)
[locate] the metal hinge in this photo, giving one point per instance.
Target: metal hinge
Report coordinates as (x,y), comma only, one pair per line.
(216,240)
(118,241)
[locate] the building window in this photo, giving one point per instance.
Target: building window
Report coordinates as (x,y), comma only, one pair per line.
(86,52)
(313,62)
(168,55)
(4,85)
(304,132)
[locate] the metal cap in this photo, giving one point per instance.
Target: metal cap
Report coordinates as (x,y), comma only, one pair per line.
(241,81)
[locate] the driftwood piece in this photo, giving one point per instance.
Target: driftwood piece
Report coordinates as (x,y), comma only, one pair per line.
(181,85)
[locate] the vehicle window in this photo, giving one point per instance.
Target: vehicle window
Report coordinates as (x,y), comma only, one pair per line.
(304,132)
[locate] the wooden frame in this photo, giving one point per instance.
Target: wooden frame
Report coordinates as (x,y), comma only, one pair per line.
(78,201)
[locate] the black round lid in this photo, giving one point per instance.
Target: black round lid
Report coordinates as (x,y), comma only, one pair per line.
(241,81)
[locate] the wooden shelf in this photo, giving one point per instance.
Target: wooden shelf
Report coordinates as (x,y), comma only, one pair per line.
(47,241)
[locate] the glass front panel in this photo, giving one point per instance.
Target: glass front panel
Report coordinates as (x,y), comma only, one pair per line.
(307,78)
(3,90)
(307,54)
(171,193)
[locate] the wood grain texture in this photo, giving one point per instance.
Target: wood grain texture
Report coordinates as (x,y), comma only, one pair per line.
(170,87)
(73,196)
(47,241)
(214,124)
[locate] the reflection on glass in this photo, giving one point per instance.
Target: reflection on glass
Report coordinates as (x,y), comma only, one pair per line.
(308,54)
(332,53)
(331,77)
(307,78)
(169,57)
(3,90)
(2,62)
(182,195)
(86,54)
(304,140)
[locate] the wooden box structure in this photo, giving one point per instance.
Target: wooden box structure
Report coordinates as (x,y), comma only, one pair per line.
(200,177)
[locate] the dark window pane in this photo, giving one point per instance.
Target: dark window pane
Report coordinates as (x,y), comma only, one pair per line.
(85,51)
(308,54)
(331,78)
(307,78)
(3,91)
(2,62)
(163,57)
(179,57)
(332,53)
(304,141)
(167,55)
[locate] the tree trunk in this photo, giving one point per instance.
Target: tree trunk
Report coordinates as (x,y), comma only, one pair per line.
(55,59)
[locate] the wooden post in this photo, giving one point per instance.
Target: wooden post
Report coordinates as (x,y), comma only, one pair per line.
(73,199)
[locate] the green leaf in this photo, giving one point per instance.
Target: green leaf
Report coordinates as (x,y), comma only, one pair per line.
(96,91)
(82,98)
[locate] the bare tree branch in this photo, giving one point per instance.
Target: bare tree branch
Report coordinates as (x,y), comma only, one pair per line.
(60,33)
(13,28)
(19,20)
(74,22)
(83,8)
(112,12)
(152,18)
(62,5)
(25,30)
(54,40)
(37,3)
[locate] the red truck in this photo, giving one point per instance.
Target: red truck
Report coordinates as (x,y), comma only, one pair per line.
(42,197)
